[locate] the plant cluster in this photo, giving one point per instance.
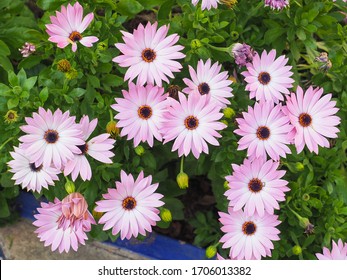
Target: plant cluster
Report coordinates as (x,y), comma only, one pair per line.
(98,96)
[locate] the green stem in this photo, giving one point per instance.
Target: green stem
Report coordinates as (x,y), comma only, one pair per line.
(8,140)
(182,163)
(111,115)
(295,213)
(219,48)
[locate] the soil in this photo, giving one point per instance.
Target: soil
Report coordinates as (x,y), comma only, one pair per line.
(199,197)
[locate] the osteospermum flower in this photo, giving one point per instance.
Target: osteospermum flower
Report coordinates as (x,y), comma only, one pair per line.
(150,54)
(28,175)
(264,130)
(51,138)
(313,118)
(140,113)
(206,4)
(277,4)
(27,49)
(98,148)
(257,186)
(192,122)
(67,27)
(131,208)
(338,252)
(63,224)
(268,78)
(208,80)
(242,54)
(248,237)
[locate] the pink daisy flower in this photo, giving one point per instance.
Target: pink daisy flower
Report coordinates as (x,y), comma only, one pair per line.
(140,113)
(150,54)
(267,78)
(257,186)
(338,252)
(67,26)
(264,130)
(208,80)
(277,4)
(248,237)
(131,208)
(313,117)
(98,147)
(52,138)
(63,224)
(206,4)
(28,175)
(192,122)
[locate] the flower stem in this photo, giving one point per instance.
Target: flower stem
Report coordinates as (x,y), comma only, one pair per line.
(8,140)
(182,163)
(111,115)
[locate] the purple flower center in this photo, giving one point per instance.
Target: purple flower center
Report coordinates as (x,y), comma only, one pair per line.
(144,112)
(148,55)
(83,148)
(249,228)
(75,36)
(203,88)
(51,136)
(34,168)
(255,185)
(191,122)
(129,203)
(264,78)
(305,119)
(263,132)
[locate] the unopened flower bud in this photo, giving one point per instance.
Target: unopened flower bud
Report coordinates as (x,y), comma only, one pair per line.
(304,222)
(195,44)
(229,3)
(299,166)
(228,112)
(165,215)
(112,129)
(182,180)
(11,116)
(226,185)
(63,65)
(296,250)
(139,150)
(70,187)
(305,197)
(211,251)
(102,46)
(72,74)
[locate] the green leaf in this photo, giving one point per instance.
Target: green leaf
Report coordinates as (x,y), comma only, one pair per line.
(29,62)
(43,95)
(12,103)
(4,50)
(77,92)
(29,83)
(301,34)
(165,10)
(22,76)
(129,7)
(4,210)
(6,63)
(49,4)
(13,79)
